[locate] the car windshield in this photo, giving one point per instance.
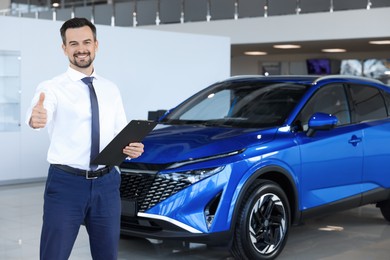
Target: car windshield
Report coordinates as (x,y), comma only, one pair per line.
(247,105)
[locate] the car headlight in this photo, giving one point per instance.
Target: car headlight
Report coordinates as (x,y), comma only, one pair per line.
(192,176)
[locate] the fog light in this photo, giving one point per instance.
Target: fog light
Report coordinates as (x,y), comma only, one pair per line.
(211,209)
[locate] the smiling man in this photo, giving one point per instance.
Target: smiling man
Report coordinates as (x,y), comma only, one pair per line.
(82,112)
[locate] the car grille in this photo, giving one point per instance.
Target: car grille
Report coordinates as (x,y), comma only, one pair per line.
(148,188)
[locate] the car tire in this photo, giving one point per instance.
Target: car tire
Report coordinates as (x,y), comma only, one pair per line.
(385,209)
(263,222)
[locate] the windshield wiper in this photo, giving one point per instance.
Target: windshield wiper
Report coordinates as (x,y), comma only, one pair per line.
(219,122)
(214,122)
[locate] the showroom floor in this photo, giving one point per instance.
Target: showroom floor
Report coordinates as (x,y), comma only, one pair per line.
(355,234)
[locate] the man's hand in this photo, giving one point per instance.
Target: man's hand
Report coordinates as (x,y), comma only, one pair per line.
(134,150)
(38,117)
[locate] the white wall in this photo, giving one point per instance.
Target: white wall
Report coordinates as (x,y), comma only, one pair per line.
(5,4)
(157,70)
(154,70)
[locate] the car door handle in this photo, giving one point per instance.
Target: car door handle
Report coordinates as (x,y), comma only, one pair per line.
(355,140)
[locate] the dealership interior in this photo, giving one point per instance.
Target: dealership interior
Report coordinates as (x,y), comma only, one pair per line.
(227,38)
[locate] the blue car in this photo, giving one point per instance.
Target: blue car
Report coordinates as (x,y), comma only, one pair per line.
(244,159)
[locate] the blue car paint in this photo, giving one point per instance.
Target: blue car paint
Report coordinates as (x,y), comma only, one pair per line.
(251,160)
(376,154)
(184,142)
(330,166)
(177,206)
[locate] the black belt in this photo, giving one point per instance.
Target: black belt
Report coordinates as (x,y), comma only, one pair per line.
(86,173)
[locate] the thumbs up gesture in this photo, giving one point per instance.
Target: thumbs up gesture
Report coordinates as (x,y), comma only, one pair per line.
(38,117)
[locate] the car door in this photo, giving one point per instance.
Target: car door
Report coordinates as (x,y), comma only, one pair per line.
(331,160)
(371,114)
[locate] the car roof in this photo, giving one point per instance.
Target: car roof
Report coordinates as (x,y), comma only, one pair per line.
(301,79)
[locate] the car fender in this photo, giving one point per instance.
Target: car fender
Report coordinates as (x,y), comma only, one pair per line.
(262,171)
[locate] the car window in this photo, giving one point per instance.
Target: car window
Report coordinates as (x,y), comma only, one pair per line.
(268,105)
(330,99)
(220,103)
(387,99)
(258,105)
(368,103)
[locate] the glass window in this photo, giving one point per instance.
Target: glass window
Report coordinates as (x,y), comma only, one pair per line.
(329,99)
(9,91)
(219,102)
(242,104)
(368,103)
(387,98)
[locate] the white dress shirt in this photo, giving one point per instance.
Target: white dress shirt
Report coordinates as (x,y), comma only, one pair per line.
(69,116)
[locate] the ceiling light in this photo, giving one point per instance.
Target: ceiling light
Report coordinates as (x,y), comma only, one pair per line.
(380,42)
(56,4)
(255,53)
(287,46)
(334,50)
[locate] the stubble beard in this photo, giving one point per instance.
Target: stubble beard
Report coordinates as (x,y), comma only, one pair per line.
(84,63)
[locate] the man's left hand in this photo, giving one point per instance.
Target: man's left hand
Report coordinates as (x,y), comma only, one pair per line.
(134,150)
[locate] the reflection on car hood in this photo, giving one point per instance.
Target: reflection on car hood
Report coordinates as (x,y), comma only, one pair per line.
(176,143)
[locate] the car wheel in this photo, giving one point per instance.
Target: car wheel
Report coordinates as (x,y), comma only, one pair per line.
(385,209)
(263,222)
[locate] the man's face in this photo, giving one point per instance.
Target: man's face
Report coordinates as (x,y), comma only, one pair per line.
(80,47)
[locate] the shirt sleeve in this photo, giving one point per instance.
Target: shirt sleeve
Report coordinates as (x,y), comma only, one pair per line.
(121,119)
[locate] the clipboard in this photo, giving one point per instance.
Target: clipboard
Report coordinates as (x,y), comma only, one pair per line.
(135,131)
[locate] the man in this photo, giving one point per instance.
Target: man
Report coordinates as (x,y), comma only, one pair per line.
(78,192)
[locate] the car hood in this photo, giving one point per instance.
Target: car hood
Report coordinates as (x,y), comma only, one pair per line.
(175,143)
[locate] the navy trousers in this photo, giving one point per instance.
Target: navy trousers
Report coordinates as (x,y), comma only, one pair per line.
(71,201)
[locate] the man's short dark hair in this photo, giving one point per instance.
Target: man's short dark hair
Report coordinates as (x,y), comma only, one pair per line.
(76,23)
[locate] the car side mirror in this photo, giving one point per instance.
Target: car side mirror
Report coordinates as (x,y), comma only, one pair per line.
(156,115)
(321,121)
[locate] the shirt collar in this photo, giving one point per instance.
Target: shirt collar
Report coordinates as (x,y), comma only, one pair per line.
(77,75)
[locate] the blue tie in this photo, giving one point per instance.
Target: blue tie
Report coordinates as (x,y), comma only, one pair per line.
(95,129)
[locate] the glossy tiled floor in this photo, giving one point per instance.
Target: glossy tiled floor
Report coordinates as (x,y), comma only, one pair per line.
(355,234)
